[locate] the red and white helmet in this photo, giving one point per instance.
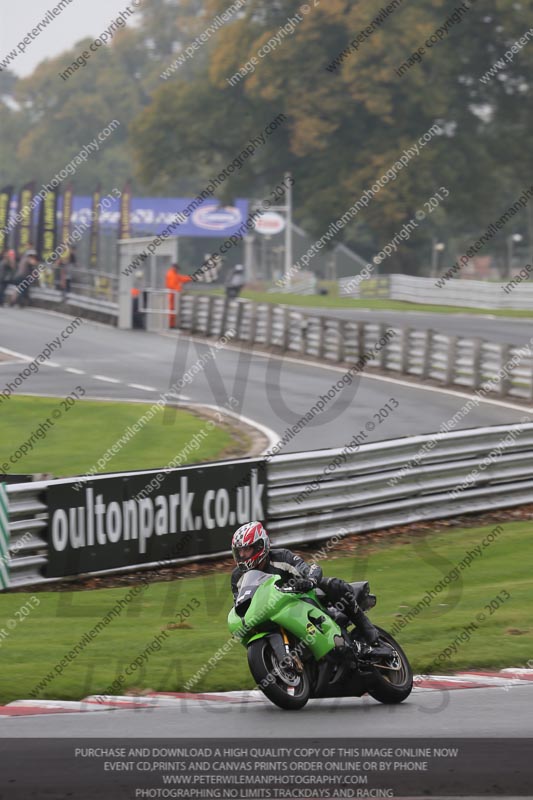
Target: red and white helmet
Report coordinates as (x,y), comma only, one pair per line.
(250,546)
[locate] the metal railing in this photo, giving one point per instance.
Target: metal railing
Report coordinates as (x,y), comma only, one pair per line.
(461,361)
(456,292)
(398,482)
(75,301)
(314,495)
(89,290)
(424,354)
(28,528)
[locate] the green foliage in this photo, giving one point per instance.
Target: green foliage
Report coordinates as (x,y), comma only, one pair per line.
(345,128)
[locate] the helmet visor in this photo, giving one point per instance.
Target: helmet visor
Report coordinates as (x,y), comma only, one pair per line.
(244,553)
(245,556)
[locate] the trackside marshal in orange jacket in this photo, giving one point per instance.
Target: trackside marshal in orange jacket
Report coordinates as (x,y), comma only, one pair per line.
(174,280)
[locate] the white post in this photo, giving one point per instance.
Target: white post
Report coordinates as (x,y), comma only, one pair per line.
(249,265)
(530,232)
(125,305)
(288,234)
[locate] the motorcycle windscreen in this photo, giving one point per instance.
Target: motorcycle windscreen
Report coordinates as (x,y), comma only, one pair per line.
(250,584)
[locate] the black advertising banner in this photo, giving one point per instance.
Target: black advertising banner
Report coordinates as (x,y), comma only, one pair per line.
(47,226)
(124,228)
(143,518)
(67,214)
(95,227)
(5,203)
(23,237)
(16,478)
(126,768)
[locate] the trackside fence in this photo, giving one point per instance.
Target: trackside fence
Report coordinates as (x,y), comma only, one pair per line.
(456,292)
(422,354)
(304,497)
(461,361)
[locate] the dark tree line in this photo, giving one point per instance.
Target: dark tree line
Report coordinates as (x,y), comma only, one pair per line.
(345,126)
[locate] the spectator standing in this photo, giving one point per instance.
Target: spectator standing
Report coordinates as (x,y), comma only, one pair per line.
(58,264)
(28,263)
(8,268)
(136,295)
(65,275)
(235,283)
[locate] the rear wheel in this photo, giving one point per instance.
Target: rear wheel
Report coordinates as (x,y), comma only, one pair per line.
(393,680)
(285,685)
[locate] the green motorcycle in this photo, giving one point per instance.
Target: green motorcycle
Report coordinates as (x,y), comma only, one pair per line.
(299,648)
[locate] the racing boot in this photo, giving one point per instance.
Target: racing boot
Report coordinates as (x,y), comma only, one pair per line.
(364,626)
(370,649)
(343,597)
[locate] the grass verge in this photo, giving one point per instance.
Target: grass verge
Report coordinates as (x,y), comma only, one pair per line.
(333,300)
(80,435)
(190,616)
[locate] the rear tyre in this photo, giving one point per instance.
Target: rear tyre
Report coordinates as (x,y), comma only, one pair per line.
(284,686)
(393,679)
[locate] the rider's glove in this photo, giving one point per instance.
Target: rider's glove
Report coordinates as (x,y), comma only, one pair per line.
(302,585)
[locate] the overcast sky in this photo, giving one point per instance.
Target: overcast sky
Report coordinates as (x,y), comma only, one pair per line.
(81,18)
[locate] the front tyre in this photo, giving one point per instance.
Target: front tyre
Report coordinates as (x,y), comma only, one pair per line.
(393,679)
(283,685)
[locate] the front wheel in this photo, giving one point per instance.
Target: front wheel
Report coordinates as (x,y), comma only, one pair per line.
(282,684)
(393,680)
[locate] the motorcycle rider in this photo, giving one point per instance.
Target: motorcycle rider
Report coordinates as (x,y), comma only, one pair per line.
(251,550)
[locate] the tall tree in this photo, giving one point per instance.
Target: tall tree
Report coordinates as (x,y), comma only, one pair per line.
(410,67)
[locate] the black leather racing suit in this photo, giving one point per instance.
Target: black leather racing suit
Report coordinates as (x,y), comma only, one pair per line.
(288,565)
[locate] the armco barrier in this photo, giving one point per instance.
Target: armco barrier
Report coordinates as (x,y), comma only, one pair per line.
(310,496)
(455,292)
(71,303)
(459,361)
(421,354)
(4,538)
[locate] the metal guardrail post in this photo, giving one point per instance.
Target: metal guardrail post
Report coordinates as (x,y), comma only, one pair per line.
(450,360)
(428,354)
(404,357)
(210,315)
(321,337)
(195,298)
(477,372)
(360,340)
(341,340)
(286,329)
(505,382)
(180,300)
(4,538)
(238,318)
(304,327)
(253,322)
(224,318)
(384,352)
(218,312)
(269,325)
